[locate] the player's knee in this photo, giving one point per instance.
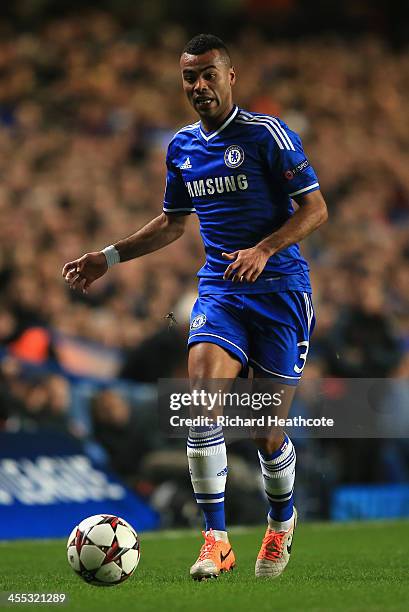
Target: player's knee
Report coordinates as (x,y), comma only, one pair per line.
(199,370)
(199,362)
(269,443)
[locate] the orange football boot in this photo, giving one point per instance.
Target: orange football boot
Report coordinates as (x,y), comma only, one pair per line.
(215,557)
(275,551)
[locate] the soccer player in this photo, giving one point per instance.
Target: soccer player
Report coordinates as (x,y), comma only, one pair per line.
(239,172)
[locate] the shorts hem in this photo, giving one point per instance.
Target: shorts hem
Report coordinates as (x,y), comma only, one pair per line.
(223,342)
(284,378)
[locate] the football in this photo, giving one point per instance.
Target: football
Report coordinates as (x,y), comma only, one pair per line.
(103,550)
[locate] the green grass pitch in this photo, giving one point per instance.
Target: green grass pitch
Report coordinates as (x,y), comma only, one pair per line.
(359,567)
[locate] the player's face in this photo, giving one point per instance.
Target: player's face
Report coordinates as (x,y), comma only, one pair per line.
(207,82)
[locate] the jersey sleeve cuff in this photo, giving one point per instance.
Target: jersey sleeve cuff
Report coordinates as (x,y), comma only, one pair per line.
(312,187)
(178,210)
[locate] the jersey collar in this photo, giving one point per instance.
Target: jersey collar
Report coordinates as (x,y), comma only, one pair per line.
(227,121)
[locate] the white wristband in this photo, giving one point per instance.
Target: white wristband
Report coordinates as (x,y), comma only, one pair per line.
(111,255)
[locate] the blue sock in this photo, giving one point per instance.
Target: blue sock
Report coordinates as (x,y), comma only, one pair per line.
(278,471)
(213,513)
(206,451)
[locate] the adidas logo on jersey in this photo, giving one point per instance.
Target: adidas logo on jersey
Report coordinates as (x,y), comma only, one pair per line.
(186,164)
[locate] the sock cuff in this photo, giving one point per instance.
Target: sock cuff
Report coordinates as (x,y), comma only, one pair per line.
(207,451)
(206,443)
(279,456)
(202,433)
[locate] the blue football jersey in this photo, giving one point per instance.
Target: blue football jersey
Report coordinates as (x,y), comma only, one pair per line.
(239,180)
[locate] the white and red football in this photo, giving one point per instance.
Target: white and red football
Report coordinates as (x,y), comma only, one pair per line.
(103,550)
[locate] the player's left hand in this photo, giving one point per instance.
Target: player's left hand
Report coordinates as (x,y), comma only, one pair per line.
(247,264)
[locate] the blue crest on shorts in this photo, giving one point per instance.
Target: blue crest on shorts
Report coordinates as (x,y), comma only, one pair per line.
(198,321)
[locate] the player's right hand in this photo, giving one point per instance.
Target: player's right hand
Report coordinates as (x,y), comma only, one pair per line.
(82,272)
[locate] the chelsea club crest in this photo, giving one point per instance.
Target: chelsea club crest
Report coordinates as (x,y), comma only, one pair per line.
(198,321)
(234,156)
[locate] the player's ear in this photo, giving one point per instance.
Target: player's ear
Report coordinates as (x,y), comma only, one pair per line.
(232,76)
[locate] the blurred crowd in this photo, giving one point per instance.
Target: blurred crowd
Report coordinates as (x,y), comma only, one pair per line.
(87,108)
(86,111)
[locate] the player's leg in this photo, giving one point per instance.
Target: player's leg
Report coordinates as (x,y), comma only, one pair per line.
(277,461)
(276,453)
(206,448)
(206,451)
(279,351)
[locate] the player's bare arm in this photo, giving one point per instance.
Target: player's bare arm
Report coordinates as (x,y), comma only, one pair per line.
(248,264)
(158,233)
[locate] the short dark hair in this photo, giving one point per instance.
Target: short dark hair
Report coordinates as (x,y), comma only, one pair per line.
(201,43)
